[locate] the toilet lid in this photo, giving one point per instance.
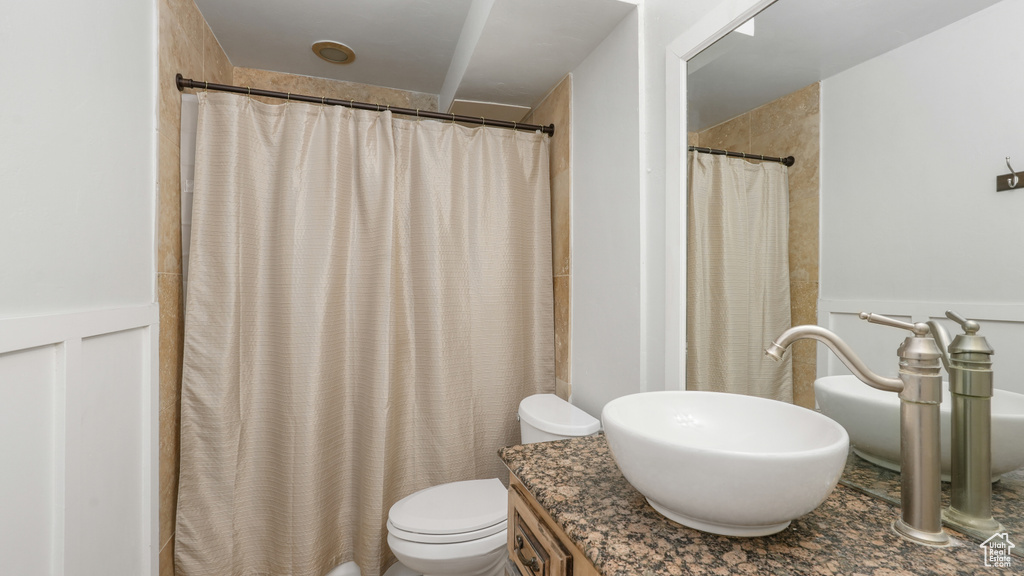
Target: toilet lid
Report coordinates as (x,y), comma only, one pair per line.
(454,508)
(551,414)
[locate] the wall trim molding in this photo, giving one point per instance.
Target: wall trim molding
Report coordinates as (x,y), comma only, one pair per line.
(22,333)
(66,333)
(921,311)
(1001,323)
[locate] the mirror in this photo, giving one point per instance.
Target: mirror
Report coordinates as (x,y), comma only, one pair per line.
(899,116)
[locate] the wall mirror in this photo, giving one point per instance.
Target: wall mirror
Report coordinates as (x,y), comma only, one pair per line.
(876,167)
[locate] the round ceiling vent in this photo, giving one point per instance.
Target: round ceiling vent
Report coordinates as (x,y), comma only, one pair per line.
(334,52)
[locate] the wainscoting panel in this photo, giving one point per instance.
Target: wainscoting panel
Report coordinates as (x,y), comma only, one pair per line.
(28,491)
(78,438)
(1001,324)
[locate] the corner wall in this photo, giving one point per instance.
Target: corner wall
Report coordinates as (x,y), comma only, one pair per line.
(556,108)
(607,347)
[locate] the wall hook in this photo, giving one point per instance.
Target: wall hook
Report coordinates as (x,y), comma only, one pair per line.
(1008,181)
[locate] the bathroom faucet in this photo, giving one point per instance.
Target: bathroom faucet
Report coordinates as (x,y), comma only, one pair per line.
(968,359)
(920,388)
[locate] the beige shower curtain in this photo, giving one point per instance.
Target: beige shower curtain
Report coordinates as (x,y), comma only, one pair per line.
(369,300)
(737,276)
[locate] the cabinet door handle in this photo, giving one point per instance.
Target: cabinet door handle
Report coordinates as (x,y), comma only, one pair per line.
(532,564)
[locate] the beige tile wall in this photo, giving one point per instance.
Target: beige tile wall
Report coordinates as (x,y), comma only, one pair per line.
(788,126)
(187,46)
(556,108)
(338,89)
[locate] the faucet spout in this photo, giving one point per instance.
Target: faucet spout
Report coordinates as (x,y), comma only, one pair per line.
(941,337)
(920,390)
(841,349)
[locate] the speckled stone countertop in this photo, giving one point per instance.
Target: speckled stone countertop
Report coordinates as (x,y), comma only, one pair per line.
(1007,494)
(580,486)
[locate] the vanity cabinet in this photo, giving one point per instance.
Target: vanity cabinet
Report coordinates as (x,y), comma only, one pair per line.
(536,545)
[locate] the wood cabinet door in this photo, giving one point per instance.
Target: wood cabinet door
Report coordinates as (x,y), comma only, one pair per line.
(532,547)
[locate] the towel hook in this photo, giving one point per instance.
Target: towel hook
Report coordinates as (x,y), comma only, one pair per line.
(1013,180)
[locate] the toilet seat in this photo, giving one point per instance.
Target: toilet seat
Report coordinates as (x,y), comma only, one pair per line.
(451,513)
(454,538)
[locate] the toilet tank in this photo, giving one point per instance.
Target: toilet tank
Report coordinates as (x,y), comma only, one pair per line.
(544,417)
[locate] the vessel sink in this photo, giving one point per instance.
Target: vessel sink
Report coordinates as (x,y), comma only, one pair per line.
(725,463)
(872,418)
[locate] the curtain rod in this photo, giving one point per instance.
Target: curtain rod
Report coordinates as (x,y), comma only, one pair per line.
(184,83)
(787,161)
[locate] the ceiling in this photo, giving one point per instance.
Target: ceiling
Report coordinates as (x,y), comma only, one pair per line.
(504,51)
(800,42)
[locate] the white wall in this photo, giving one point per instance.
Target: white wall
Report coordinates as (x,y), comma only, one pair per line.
(78,321)
(911,223)
(663,247)
(606,294)
(626,252)
(77,155)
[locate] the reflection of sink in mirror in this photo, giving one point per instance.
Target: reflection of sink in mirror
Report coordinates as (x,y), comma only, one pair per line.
(725,463)
(872,418)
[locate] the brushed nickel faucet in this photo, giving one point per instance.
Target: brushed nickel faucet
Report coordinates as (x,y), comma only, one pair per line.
(968,360)
(920,388)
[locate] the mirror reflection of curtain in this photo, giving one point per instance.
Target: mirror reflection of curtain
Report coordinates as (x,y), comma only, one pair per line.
(737,276)
(369,300)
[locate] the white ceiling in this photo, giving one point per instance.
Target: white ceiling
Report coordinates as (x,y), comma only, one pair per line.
(507,51)
(799,42)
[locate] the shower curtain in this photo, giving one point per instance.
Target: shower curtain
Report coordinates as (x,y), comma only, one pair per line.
(737,276)
(369,300)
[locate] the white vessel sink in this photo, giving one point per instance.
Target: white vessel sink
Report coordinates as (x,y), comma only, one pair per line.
(725,463)
(872,417)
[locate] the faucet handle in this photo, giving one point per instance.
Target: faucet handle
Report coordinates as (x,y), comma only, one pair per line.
(918,328)
(970,326)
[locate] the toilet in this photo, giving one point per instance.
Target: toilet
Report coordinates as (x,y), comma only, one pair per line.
(459,528)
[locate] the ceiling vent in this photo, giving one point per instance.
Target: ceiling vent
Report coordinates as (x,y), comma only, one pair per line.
(334,52)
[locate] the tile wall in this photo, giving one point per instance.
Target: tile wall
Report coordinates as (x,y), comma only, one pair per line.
(338,89)
(788,126)
(187,46)
(556,108)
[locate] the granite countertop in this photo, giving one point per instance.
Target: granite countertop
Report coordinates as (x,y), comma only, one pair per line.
(580,486)
(1007,493)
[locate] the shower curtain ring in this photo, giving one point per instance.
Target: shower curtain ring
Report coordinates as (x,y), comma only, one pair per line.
(248,91)
(207,87)
(453,118)
(323,100)
(289,97)
(483,121)
(515,125)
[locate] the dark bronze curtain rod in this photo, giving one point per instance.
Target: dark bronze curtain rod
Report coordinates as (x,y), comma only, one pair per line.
(184,83)
(787,161)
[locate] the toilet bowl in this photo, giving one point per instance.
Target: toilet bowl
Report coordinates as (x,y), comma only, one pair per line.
(459,528)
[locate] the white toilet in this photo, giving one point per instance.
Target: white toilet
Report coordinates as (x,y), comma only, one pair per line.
(458,529)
